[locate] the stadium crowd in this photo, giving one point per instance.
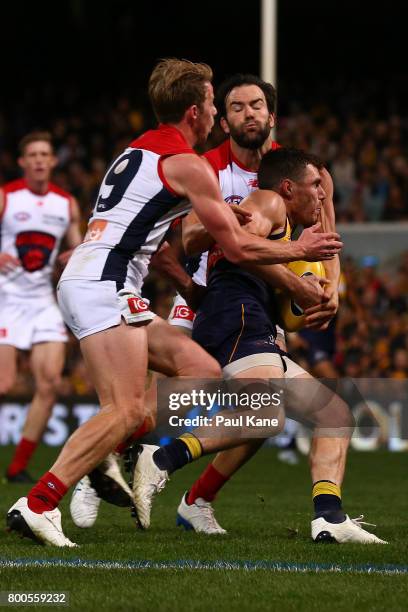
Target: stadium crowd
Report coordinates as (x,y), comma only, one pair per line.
(367,156)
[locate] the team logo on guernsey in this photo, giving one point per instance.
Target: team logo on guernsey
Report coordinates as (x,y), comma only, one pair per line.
(233,199)
(183,312)
(95,230)
(22,216)
(136,305)
(34,249)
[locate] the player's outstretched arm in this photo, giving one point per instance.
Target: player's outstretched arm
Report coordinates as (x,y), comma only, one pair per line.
(7,261)
(197,240)
(191,177)
(268,212)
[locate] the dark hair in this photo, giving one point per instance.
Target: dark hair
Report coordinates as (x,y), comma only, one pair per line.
(284,163)
(175,85)
(34,137)
(238,80)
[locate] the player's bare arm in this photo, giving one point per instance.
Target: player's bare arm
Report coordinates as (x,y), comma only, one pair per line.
(319,317)
(191,177)
(269,216)
(166,262)
(7,261)
(197,240)
(73,235)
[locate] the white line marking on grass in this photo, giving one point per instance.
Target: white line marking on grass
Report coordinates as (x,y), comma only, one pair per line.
(273,566)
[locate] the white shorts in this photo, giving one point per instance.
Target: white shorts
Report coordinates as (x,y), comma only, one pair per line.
(292,368)
(181,315)
(90,306)
(263,359)
(27,322)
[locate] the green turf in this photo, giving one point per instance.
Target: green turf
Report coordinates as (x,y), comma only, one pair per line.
(266,509)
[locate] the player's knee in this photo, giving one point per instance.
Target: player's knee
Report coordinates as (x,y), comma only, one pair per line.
(208,368)
(48,384)
(131,415)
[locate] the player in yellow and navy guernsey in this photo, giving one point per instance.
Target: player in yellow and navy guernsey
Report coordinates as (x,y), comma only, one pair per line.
(234,325)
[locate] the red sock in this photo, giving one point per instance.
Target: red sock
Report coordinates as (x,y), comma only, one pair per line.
(46,494)
(207,486)
(139,433)
(22,456)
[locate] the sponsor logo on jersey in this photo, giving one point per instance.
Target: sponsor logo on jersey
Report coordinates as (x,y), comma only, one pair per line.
(233,199)
(22,216)
(253,183)
(95,230)
(50,219)
(34,249)
(136,305)
(183,312)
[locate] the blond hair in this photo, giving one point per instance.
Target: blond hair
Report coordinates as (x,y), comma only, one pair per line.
(34,137)
(175,85)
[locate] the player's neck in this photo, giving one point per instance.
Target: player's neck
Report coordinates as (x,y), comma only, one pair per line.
(187,132)
(250,158)
(38,187)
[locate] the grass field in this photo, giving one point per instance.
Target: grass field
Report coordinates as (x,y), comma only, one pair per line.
(266,561)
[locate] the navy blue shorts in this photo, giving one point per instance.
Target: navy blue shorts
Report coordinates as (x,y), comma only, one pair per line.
(233,321)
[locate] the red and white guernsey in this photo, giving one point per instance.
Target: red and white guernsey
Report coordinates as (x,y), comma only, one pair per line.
(236,183)
(31,228)
(133,212)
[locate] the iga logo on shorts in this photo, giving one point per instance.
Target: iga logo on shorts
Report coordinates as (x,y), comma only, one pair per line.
(136,305)
(183,312)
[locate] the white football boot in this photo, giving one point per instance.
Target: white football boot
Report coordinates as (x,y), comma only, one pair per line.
(146,481)
(84,504)
(349,531)
(107,480)
(44,528)
(198,516)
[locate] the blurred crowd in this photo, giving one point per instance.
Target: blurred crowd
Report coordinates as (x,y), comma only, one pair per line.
(371,325)
(366,155)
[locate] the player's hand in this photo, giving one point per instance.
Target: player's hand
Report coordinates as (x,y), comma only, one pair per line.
(319,246)
(313,292)
(318,317)
(8,263)
(243,216)
(64,257)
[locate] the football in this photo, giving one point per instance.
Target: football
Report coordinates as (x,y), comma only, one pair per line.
(291,315)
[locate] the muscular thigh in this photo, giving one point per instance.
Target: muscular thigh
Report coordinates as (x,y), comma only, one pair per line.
(117,362)
(173,353)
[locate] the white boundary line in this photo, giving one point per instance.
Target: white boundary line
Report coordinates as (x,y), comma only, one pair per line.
(274,566)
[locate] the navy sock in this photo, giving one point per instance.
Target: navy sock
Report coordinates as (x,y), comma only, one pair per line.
(172,456)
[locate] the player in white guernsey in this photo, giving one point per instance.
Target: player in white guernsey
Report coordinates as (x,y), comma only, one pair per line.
(35,216)
(146,187)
